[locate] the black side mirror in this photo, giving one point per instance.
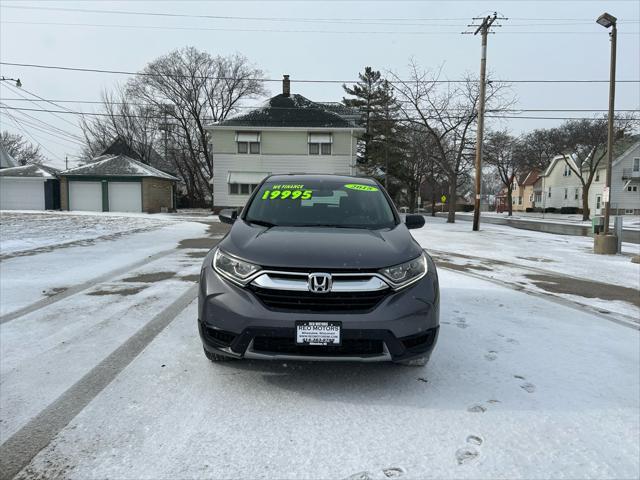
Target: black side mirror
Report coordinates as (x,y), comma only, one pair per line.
(228,215)
(414,221)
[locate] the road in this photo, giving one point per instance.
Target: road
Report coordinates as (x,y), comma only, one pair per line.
(109,381)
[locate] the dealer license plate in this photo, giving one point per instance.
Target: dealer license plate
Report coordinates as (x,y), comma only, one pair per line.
(318,333)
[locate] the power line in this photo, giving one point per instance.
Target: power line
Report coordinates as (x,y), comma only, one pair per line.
(19,125)
(201,77)
(355,21)
(161,117)
(254,107)
(270,30)
(17,92)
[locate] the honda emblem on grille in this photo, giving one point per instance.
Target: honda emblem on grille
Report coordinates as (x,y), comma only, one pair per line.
(320,282)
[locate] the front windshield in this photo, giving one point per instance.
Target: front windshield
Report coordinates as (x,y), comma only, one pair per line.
(321,202)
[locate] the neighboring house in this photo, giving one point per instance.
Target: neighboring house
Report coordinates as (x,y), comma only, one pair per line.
(6,160)
(29,187)
(559,186)
(117,183)
(526,193)
(516,194)
(625,181)
(290,133)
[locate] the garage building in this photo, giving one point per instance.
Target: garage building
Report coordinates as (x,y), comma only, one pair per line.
(29,187)
(117,183)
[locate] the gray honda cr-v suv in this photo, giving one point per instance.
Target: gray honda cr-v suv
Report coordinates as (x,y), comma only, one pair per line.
(319,267)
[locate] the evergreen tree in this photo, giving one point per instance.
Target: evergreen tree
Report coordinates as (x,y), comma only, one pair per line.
(378,148)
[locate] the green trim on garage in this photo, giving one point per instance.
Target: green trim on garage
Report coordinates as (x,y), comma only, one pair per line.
(104,181)
(105,195)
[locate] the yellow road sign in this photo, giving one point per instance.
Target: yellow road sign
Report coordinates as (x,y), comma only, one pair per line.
(443,198)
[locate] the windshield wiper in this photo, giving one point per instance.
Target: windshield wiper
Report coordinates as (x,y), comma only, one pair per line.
(262,223)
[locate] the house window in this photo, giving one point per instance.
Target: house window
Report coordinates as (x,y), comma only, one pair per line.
(241,188)
(531,198)
(567,171)
(320,143)
(566,191)
(597,175)
(576,195)
(519,200)
(248,142)
(538,197)
(549,192)
(633,188)
(636,164)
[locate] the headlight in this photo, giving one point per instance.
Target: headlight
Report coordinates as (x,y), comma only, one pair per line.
(234,269)
(406,273)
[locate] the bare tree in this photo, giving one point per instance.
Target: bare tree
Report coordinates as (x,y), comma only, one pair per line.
(416,160)
(584,148)
(135,124)
(448,112)
(501,151)
(21,149)
(540,146)
(194,88)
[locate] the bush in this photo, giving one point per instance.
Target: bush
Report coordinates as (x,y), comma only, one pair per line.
(550,210)
(537,209)
(570,210)
(464,208)
(529,209)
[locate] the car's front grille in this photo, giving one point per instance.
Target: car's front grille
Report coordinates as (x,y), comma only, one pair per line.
(287,345)
(336,302)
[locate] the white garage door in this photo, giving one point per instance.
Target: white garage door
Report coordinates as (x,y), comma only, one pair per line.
(21,194)
(125,197)
(85,196)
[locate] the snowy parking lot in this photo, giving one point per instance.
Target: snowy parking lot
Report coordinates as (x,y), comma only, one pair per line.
(535,375)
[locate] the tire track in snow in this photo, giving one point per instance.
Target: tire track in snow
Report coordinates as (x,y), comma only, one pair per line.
(478,272)
(45,302)
(18,451)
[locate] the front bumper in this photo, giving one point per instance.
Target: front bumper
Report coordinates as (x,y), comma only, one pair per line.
(234,322)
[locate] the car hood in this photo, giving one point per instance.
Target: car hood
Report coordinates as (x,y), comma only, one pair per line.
(321,247)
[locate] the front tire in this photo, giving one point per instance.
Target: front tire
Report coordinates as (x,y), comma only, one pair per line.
(215,357)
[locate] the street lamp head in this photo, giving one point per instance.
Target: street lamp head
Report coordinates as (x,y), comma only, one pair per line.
(606,20)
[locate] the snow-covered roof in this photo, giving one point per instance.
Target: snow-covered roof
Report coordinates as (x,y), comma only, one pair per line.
(289,111)
(6,160)
(117,166)
(30,170)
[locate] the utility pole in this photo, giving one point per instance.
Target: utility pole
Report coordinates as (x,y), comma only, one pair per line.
(483,29)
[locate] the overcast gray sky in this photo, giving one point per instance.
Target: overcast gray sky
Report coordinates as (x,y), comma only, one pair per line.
(328,40)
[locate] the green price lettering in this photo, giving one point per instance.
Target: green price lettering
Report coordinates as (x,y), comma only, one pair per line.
(284,194)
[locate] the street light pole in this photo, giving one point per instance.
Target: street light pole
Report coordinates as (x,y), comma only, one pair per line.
(607,20)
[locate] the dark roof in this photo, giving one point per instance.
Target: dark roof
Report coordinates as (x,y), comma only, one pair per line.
(307,177)
(289,111)
(121,147)
(530,178)
(117,166)
(30,170)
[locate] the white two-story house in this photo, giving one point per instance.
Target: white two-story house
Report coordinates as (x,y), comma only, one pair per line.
(625,181)
(558,186)
(289,134)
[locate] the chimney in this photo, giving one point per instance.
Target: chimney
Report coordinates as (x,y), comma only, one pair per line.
(286,86)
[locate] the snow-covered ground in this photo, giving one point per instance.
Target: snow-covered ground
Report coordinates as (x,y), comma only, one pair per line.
(27,230)
(538,261)
(518,386)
